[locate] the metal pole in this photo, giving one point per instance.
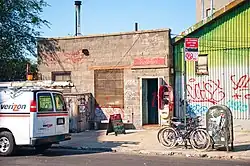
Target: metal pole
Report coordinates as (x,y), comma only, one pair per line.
(212,7)
(202,9)
(185,89)
(76,27)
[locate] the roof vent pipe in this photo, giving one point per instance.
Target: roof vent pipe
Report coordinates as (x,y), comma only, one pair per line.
(78,18)
(136,26)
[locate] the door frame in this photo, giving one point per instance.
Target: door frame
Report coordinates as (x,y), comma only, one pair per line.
(158,80)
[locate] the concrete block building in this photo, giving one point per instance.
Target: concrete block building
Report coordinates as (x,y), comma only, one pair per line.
(122,71)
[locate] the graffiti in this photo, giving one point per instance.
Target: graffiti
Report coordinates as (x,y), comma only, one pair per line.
(237,106)
(130,84)
(130,89)
(205,91)
(154,99)
(99,115)
(196,110)
(130,95)
(241,84)
(75,57)
(104,113)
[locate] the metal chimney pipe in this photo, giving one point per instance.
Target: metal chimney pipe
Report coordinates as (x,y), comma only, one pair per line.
(78,18)
(136,26)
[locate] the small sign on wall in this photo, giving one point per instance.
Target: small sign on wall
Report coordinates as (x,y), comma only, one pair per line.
(191,55)
(191,49)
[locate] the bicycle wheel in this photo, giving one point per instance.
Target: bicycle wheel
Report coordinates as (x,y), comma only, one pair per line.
(159,134)
(200,140)
(169,137)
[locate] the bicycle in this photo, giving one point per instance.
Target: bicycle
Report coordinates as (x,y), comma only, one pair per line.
(172,135)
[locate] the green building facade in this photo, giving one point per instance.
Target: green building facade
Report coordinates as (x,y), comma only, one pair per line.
(222,73)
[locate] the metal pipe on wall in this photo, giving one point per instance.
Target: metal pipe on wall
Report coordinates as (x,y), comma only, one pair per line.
(212,7)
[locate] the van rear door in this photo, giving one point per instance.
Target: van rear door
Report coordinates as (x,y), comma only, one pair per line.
(45,119)
(62,117)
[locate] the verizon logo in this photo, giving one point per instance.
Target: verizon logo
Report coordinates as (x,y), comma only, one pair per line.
(13,106)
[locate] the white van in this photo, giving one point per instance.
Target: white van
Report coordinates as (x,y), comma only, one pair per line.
(32,117)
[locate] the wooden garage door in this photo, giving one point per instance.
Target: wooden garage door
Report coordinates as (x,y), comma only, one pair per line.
(109,87)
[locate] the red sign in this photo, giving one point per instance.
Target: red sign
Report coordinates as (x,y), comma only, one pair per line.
(115,117)
(191,43)
(149,61)
(189,56)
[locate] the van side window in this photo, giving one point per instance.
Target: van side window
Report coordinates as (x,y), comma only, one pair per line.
(45,102)
(59,102)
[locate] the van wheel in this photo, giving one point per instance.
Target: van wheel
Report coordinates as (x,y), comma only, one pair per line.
(7,143)
(42,148)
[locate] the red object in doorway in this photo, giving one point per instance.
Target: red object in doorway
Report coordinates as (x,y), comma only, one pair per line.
(169,90)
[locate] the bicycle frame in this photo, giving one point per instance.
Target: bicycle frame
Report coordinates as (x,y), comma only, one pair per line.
(189,128)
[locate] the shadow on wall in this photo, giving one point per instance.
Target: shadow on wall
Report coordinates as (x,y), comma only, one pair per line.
(86,114)
(48,52)
(102,115)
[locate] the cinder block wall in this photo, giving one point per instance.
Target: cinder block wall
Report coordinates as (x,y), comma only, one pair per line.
(107,51)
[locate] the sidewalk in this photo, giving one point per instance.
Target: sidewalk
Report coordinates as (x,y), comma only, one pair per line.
(145,142)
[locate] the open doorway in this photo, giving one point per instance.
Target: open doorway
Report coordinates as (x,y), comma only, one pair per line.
(149,101)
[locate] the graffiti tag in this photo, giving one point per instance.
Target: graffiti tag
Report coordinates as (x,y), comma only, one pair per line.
(237,106)
(196,109)
(75,57)
(104,113)
(205,91)
(241,84)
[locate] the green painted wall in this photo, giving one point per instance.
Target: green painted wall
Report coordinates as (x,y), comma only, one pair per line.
(229,34)
(226,40)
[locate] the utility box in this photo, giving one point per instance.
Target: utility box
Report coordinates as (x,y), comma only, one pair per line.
(219,124)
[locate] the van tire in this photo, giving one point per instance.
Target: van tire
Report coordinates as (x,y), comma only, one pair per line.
(8,137)
(42,148)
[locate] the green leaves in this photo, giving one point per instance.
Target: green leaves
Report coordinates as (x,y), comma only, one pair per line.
(20,22)
(15,69)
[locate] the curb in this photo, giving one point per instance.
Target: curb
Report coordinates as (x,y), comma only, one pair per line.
(85,148)
(203,155)
(157,153)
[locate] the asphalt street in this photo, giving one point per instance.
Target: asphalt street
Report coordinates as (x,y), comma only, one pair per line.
(58,157)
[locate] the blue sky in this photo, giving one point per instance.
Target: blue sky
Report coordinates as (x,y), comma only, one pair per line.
(110,16)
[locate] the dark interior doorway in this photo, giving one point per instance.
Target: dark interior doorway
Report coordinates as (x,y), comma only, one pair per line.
(149,101)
